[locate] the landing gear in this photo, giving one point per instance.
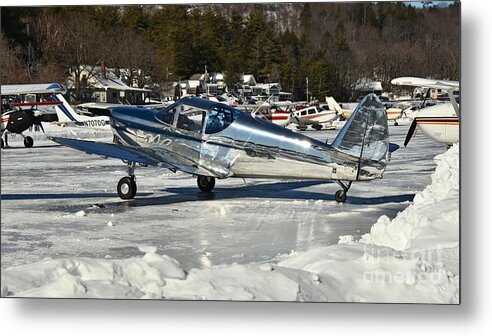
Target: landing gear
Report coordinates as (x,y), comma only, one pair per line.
(317,127)
(205,183)
(28,142)
(396,123)
(127,186)
(341,195)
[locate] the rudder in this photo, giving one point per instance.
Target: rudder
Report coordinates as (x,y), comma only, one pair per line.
(365,136)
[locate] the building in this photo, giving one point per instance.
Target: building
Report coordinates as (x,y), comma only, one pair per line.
(100,84)
(364,87)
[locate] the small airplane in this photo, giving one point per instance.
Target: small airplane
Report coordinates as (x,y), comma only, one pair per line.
(213,141)
(439,122)
(68,117)
(314,117)
(20,116)
(275,114)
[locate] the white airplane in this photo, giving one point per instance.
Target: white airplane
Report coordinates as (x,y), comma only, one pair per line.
(19,116)
(439,122)
(68,117)
(314,117)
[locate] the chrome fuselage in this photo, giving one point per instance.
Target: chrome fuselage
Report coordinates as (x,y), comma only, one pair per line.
(248,147)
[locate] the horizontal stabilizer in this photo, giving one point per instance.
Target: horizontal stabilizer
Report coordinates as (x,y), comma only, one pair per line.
(393,147)
(125,153)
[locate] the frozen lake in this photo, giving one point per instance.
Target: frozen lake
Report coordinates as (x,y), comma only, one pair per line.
(58,202)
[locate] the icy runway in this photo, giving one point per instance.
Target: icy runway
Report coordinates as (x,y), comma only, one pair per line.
(58,202)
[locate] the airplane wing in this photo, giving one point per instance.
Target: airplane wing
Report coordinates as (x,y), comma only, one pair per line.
(145,156)
(19,89)
(130,154)
(424,82)
(448,86)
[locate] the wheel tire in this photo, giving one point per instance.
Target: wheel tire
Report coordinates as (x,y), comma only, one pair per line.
(341,196)
(205,183)
(28,142)
(396,124)
(127,188)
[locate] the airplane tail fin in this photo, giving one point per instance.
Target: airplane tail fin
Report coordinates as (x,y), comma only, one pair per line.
(365,136)
(65,112)
(332,104)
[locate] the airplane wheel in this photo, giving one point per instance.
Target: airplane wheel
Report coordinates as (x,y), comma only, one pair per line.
(127,188)
(318,127)
(396,124)
(28,142)
(341,196)
(205,183)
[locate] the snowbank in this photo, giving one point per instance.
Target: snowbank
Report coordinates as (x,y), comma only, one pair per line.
(412,258)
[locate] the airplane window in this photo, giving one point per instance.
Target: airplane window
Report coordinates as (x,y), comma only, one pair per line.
(219,119)
(166,115)
(190,118)
(312,111)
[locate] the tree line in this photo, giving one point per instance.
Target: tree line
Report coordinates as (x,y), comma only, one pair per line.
(332,44)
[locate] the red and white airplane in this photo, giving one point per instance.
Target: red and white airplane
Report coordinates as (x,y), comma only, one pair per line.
(313,116)
(439,122)
(25,110)
(279,114)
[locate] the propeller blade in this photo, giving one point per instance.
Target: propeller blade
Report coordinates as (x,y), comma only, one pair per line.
(39,124)
(411,131)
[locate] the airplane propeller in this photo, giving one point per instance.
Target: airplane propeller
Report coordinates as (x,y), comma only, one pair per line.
(38,123)
(411,132)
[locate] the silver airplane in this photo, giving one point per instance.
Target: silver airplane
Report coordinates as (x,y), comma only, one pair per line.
(213,141)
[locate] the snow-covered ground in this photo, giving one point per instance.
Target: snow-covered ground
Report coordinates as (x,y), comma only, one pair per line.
(65,233)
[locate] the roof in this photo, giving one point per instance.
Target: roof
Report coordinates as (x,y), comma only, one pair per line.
(110,80)
(248,79)
(366,85)
(17,89)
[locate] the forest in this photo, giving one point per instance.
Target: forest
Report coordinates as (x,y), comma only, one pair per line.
(333,44)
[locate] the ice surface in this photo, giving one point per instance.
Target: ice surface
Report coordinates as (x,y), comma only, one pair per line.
(189,234)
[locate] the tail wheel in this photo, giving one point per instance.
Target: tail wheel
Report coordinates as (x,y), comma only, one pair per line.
(127,188)
(341,196)
(206,183)
(28,142)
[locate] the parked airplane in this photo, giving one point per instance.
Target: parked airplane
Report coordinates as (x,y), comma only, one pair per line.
(314,117)
(68,117)
(441,121)
(20,116)
(212,140)
(278,115)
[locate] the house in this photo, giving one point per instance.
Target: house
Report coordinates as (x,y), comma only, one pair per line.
(364,87)
(102,85)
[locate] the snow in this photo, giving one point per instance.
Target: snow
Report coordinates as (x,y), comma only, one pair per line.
(412,257)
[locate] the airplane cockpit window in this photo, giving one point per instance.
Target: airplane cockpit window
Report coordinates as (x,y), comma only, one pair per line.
(166,116)
(219,118)
(190,118)
(184,117)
